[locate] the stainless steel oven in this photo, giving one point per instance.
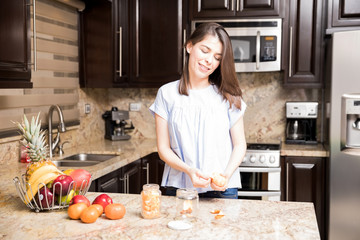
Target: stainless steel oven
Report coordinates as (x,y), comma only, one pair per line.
(260,172)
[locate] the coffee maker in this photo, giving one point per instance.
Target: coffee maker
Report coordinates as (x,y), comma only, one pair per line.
(115,124)
(301,120)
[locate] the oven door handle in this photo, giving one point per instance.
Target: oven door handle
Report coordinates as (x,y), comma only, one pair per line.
(256,169)
(258,193)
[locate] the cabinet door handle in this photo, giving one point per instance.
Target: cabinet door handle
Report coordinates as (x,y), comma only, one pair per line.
(123,179)
(184,48)
(287,181)
(120,52)
(34,35)
(257,50)
(290,51)
(147,172)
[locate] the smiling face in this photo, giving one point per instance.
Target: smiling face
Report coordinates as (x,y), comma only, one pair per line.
(204,58)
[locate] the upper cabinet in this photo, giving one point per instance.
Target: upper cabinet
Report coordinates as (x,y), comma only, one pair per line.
(343,15)
(303,45)
(234,8)
(15,40)
(131,43)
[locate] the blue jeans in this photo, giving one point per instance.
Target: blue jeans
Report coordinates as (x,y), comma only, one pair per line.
(231,193)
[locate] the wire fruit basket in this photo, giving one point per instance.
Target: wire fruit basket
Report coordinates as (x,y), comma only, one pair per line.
(57,201)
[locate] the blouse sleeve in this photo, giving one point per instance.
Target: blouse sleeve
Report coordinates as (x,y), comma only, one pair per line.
(159,106)
(235,113)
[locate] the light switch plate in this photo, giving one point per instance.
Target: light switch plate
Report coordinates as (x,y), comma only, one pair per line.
(135,107)
(87,108)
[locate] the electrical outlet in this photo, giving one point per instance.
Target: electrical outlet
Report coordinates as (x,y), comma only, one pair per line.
(135,107)
(87,108)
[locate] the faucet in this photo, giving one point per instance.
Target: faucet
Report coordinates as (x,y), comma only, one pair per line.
(61,128)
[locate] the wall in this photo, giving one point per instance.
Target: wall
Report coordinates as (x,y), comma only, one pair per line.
(264,118)
(263,93)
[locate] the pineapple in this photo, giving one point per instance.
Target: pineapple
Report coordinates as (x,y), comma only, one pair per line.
(34,142)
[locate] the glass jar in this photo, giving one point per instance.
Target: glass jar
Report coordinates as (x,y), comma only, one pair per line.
(150,196)
(187,204)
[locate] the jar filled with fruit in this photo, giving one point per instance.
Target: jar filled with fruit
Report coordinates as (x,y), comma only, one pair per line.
(150,196)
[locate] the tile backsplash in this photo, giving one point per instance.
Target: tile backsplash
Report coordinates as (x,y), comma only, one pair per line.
(264,118)
(263,93)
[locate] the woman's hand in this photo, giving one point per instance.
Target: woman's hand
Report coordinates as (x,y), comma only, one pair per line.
(198,179)
(219,179)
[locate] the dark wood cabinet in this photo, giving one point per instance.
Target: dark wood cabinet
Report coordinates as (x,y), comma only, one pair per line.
(131,177)
(343,15)
(234,8)
(15,40)
(127,43)
(123,180)
(303,180)
(303,45)
(153,168)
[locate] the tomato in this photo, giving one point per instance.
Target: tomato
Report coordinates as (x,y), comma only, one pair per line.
(81,178)
(75,210)
(103,200)
(98,207)
(89,215)
(115,211)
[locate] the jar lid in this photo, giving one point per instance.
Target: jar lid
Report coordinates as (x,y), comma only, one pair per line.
(179,225)
(151,186)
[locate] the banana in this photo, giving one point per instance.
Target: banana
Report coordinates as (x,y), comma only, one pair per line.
(46,178)
(42,171)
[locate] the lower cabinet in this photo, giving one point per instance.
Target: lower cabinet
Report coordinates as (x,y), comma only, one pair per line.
(303,180)
(131,177)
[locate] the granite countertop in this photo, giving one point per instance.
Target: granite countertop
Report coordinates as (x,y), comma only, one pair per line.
(301,150)
(245,219)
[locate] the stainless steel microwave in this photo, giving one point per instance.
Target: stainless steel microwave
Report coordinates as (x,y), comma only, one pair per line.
(256,43)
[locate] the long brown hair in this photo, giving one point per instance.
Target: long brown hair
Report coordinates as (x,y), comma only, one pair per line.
(224,77)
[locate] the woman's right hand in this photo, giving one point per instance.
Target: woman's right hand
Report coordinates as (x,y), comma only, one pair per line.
(198,178)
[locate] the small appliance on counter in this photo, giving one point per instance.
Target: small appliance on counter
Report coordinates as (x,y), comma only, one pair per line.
(115,122)
(301,120)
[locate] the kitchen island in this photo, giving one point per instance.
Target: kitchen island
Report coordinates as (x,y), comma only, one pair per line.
(244,219)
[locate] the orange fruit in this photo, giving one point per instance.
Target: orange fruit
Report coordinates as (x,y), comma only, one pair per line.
(75,210)
(98,207)
(218,179)
(115,211)
(89,215)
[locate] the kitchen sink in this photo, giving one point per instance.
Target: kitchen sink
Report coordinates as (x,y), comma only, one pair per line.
(72,163)
(83,160)
(89,157)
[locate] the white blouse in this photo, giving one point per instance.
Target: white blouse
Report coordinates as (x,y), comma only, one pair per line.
(199,128)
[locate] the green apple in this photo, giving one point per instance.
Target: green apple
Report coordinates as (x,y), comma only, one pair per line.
(65,200)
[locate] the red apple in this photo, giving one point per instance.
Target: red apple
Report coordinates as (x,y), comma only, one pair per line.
(81,178)
(103,200)
(62,184)
(44,198)
(80,199)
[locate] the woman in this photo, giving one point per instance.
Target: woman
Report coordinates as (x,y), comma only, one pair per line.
(199,118)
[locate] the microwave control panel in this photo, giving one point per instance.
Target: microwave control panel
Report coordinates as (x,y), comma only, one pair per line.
(268,48)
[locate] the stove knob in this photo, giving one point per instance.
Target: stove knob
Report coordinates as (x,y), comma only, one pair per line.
(244,160)
(262,159)
(252,158)
(272,159)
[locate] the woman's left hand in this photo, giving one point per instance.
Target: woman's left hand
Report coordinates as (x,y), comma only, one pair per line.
(216,187)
